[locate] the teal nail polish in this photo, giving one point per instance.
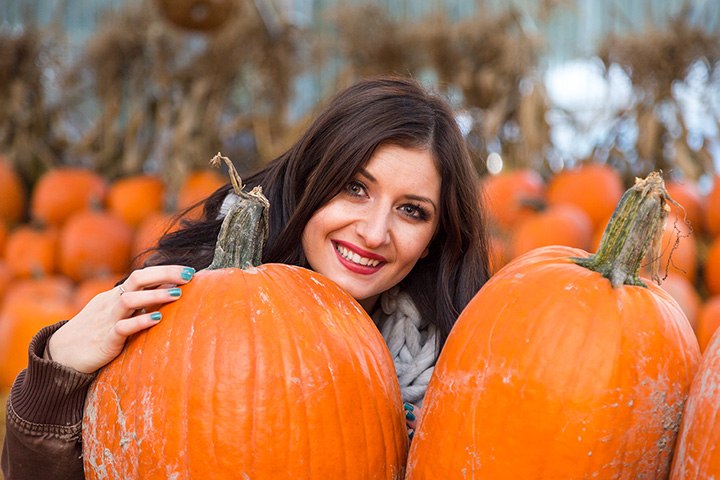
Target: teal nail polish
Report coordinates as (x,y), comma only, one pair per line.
(410,416)
(189,270)
(412,434)
(155,316)
(175,292)
(407,406)
(186,275)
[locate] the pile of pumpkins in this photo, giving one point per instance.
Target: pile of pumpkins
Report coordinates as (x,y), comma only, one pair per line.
(73,236)
(552,371)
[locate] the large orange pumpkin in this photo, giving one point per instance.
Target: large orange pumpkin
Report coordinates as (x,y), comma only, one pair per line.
(30,305)
(267,372)
(697,456)
(61,192)
(554,371)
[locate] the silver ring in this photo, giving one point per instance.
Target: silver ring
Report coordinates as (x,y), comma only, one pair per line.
(122,290)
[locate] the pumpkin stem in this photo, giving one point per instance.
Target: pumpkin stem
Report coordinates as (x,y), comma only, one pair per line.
(245,227)
(636,227)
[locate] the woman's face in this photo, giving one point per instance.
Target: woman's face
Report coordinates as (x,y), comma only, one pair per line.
(371,234)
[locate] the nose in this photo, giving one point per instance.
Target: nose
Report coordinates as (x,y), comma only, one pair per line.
(374,227)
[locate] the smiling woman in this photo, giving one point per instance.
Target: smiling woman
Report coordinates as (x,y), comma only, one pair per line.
(379,195)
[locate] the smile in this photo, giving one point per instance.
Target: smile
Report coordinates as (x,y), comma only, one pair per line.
(354,257)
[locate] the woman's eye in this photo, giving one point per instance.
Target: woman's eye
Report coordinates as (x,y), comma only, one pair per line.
(355,188)
(414,211)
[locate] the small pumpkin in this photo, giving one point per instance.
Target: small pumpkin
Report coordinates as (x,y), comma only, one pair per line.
(564,365)
(61,192)
(692,203)
(512,196)
(134,198)
(197,186)
(94,243)
(32,251)
(265,372)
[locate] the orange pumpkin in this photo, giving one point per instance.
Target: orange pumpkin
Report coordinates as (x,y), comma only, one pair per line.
(697,456)
(562,224)
(30,305)
(12,206)
(679,253)
(32,251)
(6,277)
(712,268)
(512,196)
(3,236)
(61,192)
(556,370)
(94,243)
(708,321)
(134,198)
(596,188)
(712,209)
(295,376)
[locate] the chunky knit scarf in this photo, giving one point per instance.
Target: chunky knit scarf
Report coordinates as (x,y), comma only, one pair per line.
(412,343)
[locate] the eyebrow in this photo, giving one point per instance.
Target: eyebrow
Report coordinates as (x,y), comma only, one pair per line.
(418,198)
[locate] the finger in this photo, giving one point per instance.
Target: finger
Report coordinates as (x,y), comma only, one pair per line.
(411,415)
(137,300)
(129,326)
(151,277)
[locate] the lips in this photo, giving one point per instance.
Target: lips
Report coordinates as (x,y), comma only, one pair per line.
(358,260)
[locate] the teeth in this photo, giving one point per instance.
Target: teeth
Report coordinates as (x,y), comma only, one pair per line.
(355,258)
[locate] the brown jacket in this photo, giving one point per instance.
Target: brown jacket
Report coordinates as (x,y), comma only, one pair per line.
(44,419)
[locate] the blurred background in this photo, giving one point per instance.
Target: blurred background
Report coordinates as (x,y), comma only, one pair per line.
(562,102)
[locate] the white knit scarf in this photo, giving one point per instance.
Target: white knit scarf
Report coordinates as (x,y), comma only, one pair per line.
(411,341)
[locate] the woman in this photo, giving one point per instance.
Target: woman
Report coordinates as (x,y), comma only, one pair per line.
(379,195)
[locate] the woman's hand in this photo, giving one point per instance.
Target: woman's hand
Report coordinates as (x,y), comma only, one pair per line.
(97,334)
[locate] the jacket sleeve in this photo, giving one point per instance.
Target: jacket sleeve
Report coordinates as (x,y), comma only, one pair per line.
(44,418)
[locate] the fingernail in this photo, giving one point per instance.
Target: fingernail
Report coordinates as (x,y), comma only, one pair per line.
(175,292)
(410,416)
(186,275)
(155,316)
(407,406)
(411,435)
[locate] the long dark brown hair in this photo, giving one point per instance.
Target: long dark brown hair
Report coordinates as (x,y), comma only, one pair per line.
(331,152)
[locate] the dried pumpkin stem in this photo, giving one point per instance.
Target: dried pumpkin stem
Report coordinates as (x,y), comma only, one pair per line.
(245,228)
(636,227)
